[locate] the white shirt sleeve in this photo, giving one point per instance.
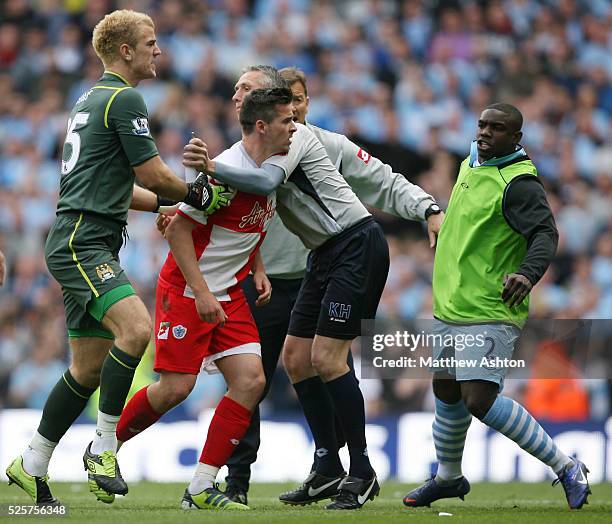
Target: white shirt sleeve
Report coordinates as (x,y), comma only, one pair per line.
(195,214)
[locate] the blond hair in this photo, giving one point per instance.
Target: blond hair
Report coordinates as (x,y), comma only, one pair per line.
(117,28)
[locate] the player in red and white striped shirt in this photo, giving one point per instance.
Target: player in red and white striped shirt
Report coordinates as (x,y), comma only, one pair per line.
(223,249)
(202,317)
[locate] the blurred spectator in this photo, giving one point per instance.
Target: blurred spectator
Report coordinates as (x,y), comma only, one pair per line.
(554,391)
(33,379)
(406,79)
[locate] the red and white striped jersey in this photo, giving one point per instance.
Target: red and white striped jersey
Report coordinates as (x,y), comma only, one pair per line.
(226,241)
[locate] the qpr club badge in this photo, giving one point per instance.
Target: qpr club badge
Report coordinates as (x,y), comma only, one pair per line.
(179,332)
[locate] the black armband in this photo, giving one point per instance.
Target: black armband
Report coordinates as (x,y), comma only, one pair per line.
(161,201)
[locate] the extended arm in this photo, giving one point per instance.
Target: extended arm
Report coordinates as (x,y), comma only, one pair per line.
(378,186)
(258,181)
(150,170)
(145,200)
(157,177)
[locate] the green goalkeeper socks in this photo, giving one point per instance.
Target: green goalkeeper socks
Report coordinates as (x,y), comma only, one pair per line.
(115,380)
(65,403)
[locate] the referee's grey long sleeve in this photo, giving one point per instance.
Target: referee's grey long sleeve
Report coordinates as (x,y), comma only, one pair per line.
(256,180)
(374,182)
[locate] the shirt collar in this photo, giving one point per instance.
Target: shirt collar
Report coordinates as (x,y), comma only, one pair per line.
(495,161)
(115,76)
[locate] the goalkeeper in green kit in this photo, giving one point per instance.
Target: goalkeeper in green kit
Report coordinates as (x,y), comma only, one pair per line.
(108,146)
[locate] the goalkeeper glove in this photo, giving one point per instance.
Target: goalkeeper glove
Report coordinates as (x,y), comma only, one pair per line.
(206,197)
(227,192)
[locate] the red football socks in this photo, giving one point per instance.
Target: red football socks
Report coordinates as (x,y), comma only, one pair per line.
(137,416)
(228,426)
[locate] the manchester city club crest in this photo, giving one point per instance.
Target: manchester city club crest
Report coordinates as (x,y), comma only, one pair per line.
(105,272)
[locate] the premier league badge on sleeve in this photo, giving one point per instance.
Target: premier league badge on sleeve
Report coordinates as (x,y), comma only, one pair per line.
(141,126)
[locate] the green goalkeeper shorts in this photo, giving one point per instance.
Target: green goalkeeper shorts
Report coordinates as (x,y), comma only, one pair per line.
(82,254)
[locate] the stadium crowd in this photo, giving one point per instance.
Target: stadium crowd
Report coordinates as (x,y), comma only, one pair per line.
(406,79)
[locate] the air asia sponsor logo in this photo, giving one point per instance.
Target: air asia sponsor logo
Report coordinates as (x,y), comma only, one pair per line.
(179,332)
(258,215)
(339,312)
(164,329)
(364,156)
(105,272)
(141,126)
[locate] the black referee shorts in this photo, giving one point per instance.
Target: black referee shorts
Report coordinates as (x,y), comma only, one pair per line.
(345,278)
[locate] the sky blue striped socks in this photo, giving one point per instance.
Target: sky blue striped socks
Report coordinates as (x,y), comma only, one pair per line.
(514,421)
(449,428)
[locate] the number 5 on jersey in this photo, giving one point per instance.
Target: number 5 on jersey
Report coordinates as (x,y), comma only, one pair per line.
(73,138)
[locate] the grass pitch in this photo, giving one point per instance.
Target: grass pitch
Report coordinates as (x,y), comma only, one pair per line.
(153,503)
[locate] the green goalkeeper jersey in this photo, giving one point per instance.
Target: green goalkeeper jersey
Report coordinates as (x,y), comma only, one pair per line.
(108,133)
(477,246)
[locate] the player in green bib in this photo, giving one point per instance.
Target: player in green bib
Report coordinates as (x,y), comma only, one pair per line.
(497,240)
(108,147)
